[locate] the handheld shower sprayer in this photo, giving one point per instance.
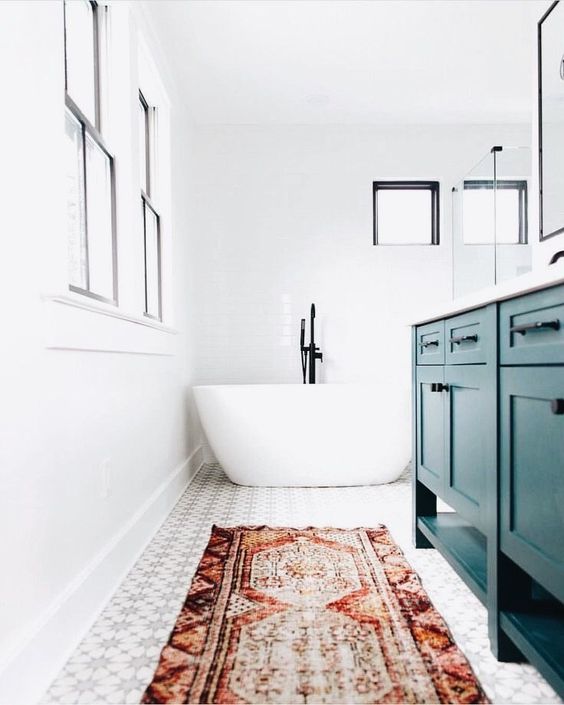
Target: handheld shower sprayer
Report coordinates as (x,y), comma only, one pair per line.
(309,352)
(303,349)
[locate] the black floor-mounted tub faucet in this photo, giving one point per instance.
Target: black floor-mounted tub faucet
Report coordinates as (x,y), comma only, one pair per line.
(309,352)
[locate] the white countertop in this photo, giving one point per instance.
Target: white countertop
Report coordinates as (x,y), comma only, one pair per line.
(532,281)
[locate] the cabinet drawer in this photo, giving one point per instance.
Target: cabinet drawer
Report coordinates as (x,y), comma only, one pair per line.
(531,476)
(531,329)
(430,341)
(470,337)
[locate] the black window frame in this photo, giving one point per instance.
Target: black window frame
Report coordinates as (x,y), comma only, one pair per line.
(147,203)
(519,185)
(94,133)
(401,185)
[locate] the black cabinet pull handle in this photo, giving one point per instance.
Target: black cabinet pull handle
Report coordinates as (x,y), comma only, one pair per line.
(428,343)
(439,387)
(536,325)
(464,338)
(557,406)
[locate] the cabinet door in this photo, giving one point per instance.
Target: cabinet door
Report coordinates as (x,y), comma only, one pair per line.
(470,439)
(430,427)
(532,472)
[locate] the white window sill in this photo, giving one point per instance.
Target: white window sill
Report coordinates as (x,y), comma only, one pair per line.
(76,323)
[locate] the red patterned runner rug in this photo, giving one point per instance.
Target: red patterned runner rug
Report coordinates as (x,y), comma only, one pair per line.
(309,616)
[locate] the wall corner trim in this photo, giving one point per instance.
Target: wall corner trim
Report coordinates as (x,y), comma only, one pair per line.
(44,650)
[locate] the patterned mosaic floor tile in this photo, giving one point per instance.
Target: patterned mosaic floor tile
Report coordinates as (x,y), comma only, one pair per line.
(116,659)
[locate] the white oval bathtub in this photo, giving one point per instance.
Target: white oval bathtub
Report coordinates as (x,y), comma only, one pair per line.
(277,435)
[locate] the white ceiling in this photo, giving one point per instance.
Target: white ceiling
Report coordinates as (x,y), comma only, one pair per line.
(351,61)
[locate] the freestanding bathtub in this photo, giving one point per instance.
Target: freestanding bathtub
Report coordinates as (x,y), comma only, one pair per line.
(277,435)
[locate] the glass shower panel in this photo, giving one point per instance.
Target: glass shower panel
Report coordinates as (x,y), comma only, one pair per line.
(473,227)
(512,188)
(490,221)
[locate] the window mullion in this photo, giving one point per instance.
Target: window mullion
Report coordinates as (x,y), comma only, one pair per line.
(85,199)
(159,268)
(91,129)
(149,202)
(146,142)
(146,278)
(148,150)
(96,67)
(147,206)
(65,45)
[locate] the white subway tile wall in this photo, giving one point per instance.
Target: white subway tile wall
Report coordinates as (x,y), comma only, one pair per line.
(284,218)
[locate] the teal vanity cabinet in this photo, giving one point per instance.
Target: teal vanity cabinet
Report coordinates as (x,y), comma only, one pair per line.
(488,408)
(531,478)
(455,411)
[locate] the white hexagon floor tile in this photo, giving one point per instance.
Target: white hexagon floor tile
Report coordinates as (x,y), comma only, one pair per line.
(116,659)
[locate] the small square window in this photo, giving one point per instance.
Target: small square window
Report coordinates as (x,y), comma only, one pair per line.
(406,212)
(494,212)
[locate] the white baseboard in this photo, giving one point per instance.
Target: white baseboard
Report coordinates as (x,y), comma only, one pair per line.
(45,649)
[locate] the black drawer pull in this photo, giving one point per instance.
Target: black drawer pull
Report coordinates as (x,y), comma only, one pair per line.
(557,406)
(439,387)
(464,338)
(537,325)
(429,343)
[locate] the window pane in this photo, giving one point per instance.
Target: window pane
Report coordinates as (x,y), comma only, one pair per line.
(478,216)
(143,147)
(490,216)
(507,216)
(99,214)
(404,217)
(76,227)
(152,302)
(79,31)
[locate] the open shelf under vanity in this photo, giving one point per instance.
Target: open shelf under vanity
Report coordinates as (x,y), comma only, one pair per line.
(538,632)
(463,546)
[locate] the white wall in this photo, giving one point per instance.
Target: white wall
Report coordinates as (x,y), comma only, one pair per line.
(284,217)
(67,539)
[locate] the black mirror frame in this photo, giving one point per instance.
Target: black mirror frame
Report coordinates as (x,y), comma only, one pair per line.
(542,236)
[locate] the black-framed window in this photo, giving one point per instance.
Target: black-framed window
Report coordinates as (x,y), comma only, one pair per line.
(495,212)
(90,169)
(151,217)
(406,212)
